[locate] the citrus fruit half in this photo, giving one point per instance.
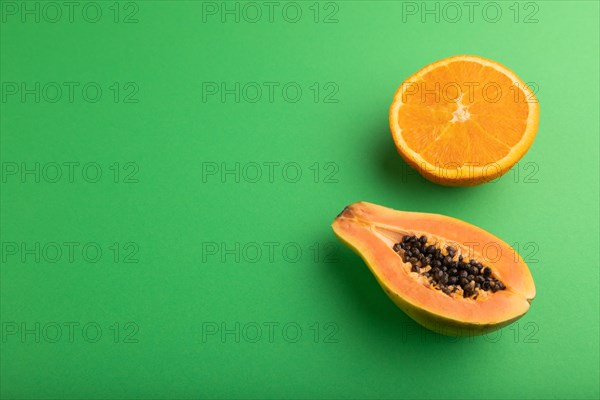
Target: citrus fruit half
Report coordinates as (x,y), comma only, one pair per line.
(463,120)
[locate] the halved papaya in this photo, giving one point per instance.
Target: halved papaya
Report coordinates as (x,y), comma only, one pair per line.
(448,275)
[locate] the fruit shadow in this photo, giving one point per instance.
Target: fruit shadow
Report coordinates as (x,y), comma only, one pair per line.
(376,310)
(401,175)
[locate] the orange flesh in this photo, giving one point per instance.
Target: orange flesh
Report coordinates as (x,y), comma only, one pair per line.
(373,229)
(464,112)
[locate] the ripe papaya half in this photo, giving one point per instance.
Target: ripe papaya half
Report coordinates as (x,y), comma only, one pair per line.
(448,275)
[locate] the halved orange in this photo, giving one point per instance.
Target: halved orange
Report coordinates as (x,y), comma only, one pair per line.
(463,120)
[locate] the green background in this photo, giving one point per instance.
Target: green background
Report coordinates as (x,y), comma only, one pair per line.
(353,343)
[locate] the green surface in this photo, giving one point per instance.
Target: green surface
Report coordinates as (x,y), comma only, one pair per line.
(181,296)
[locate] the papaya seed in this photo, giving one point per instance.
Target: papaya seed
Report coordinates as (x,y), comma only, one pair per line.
(451,251)
(444,272)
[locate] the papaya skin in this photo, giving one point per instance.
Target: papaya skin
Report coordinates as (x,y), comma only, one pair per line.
(370,231)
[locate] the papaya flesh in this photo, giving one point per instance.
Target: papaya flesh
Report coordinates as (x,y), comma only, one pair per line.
(372,231)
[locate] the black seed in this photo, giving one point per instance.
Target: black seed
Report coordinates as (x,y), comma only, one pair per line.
(451,251)
(446,274)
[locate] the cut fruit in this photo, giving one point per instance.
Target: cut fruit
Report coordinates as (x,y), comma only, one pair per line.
(463,120)
(469,307)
